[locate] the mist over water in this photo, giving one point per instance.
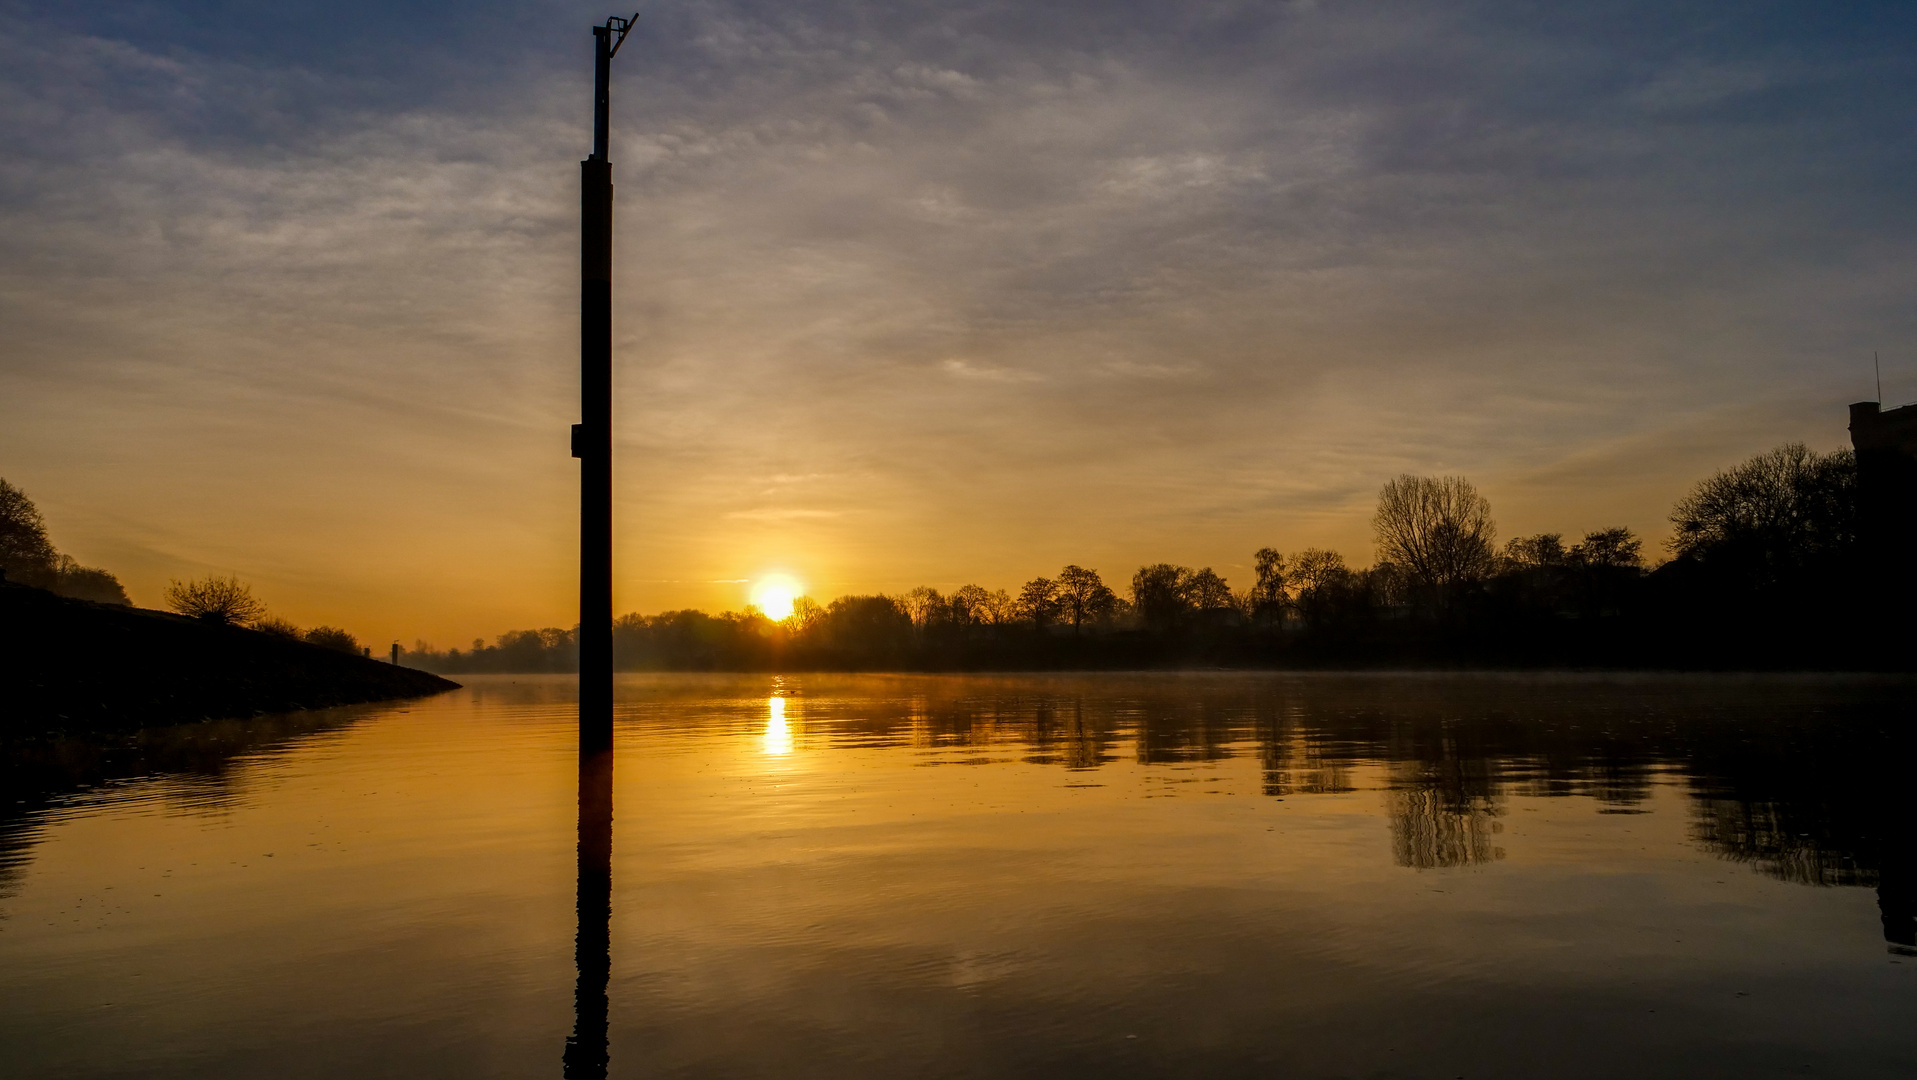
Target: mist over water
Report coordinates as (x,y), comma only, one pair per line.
(1150,875)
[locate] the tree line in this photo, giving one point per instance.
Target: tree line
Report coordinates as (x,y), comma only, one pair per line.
(1763,572)
(1766,568)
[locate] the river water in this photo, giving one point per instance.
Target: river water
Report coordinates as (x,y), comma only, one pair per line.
(1211,875)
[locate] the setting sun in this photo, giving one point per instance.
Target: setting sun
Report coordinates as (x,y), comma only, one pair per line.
(774,593)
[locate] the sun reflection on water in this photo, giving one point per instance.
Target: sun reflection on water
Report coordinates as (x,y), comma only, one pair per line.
(778,734)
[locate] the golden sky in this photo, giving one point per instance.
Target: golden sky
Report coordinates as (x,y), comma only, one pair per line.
(908,296)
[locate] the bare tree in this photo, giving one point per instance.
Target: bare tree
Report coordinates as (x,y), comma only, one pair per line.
(1314,569)
(1083,596)
(227,601)
(968,604)
(924,605)
(1438,530)
(998,608)
(806,613)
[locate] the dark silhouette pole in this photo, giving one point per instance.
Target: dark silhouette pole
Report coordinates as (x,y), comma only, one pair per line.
(586,1054)
(586,1051)
(592,437)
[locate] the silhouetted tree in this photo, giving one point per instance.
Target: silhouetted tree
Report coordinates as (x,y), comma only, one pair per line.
(1772,517)
(1161,594)
(28,557)
(924,606)
(69,578)
(1083,596)
(1541,579)
(997,608)
(1266,600)
(1038,601)
(547,649)
(806,614)
(224,600)
(969,603)
(1314,569)
(1437,530)
(1605,569)
(1205,591)
(1544,549)
(865,631)
(1617,547)
(24,548)
(1321,582)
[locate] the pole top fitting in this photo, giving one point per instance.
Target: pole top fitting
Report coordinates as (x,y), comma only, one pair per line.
(617,28)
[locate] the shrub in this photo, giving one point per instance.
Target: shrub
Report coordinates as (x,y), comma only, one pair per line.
(332,637)
(227,601)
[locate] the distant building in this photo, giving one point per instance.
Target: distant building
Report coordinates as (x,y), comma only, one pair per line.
(1886,445)
(1874,431)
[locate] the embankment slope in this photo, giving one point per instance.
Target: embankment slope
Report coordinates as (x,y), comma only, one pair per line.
(74,666)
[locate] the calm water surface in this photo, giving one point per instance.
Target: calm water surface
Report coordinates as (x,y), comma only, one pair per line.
(830,876)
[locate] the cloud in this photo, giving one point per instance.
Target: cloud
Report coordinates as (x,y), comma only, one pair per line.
(960,369)
(782,514)
(1093,283)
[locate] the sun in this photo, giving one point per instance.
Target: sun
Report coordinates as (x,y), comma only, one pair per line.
(774,593)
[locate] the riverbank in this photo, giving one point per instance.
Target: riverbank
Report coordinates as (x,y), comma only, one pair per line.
(71,665)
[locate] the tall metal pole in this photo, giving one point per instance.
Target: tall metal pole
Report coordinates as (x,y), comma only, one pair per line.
(592,438)
(586,1051)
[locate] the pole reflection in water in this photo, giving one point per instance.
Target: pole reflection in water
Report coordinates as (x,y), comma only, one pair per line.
(586,1053)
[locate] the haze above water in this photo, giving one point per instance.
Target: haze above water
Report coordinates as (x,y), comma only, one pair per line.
(1203,875)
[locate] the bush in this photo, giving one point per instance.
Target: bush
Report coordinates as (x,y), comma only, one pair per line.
(277,627)
(332,637)
(227,601)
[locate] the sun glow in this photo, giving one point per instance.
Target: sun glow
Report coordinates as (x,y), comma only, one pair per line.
(774,593)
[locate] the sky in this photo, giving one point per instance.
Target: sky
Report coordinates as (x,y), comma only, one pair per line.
(912,293)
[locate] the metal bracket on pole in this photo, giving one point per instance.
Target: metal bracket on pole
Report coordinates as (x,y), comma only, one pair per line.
(621,27)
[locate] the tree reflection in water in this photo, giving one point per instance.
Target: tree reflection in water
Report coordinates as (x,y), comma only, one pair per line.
(1429,830)
(1818,803)
(196,763)
(1799,778)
